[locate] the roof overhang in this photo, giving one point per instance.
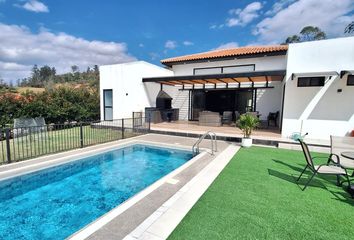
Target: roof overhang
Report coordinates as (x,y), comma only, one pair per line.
(314,74)
(239,78)
(346,72)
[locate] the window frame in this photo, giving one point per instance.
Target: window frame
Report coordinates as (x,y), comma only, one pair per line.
(320,78)
(222,68)
(350,82)
(104,104)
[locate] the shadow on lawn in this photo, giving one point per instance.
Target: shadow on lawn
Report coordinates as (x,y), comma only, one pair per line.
(307,173)
(342,196)
(292,179)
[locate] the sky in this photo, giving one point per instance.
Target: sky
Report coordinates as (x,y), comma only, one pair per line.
(88,32)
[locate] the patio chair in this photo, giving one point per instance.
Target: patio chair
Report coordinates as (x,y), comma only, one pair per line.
(273,117)
(212,119)
(237,115)
(327,169)
(339,145)
(227,117)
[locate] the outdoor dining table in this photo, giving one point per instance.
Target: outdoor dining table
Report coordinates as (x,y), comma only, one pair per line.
(349,155)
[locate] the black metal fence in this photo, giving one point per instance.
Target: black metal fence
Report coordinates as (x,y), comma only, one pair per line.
(17,144)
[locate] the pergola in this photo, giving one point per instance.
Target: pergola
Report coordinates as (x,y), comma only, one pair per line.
(254,77)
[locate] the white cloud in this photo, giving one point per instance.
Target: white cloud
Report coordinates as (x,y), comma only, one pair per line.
(241,17)
(227,45)
(188,43)
(141,45)
(278,6)
(331,16)
(34,6)
(154,56)
(20,49)
(170,44)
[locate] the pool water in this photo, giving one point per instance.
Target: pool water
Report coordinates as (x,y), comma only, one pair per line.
(56,202)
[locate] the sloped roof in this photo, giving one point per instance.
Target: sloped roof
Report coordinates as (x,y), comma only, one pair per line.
(231,52)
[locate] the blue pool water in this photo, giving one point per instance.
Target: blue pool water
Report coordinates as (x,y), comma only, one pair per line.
(56,202)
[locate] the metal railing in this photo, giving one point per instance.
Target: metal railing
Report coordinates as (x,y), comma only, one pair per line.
(17,144)
(214,147)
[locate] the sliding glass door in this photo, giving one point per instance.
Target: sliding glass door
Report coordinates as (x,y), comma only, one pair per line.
(215,100)
(108,104)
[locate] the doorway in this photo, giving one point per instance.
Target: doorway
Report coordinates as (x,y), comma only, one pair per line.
(215,100)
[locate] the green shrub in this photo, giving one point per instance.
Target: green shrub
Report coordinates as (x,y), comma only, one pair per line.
(56,105)
(247,123)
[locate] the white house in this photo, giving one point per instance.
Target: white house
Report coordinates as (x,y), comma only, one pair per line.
(310,84)
(122,90)
(327,107)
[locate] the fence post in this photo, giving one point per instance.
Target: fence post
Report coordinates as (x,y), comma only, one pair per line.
(8,150)
(81,136)
(133,122)
(149,122)
(122,128)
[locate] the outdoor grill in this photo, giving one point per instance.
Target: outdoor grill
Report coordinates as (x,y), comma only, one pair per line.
(163,100)
(163,110)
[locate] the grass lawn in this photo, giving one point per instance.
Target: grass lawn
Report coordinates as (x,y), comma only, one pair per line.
(255,197)
(56,141)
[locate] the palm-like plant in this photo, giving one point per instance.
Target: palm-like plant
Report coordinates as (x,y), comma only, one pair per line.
(247,123)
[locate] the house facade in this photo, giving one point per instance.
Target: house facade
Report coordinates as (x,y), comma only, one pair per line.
(309,85)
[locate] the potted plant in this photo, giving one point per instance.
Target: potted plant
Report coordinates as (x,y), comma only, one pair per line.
(247,122)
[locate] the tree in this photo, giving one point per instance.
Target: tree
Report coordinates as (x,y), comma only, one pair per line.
(2,83)
(74,68)
(293,39)
(311,33)
(46,73)
(35,76)
(308,33)
(350,28)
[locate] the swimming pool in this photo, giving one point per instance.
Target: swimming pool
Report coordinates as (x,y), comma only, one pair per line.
(56,202)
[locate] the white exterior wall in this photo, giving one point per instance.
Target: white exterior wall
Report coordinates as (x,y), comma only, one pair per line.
(269,100)
(320,111)
(127,79)
(261,64)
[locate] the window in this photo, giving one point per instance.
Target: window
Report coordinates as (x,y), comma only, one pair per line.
(350,80)
(224,69)
(204,71)
(238,69)
(310,81)
(108,104)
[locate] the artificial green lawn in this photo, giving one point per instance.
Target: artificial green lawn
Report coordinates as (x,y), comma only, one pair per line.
(255,197)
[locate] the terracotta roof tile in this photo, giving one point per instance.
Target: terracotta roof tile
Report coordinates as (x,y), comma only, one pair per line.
(227,53)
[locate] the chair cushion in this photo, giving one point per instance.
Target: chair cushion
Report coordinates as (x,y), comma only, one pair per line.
(330,169)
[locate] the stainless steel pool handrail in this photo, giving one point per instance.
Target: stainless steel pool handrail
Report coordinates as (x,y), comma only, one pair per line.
(214,147)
